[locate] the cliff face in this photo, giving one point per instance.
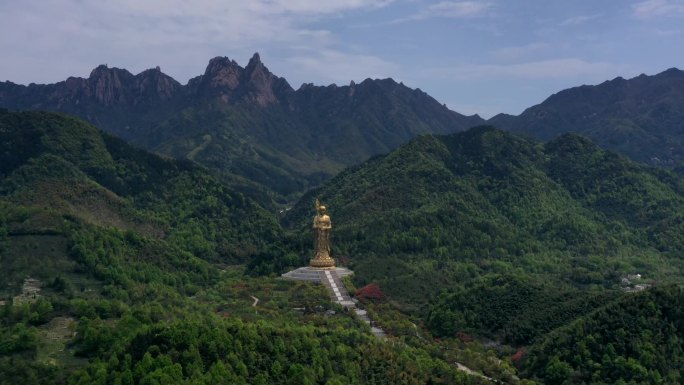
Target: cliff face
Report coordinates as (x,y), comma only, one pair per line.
(106,87)
(232,84)
(153,83)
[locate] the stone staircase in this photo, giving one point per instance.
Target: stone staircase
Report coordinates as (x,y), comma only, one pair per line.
(338,293)
(363,315)
(331,279)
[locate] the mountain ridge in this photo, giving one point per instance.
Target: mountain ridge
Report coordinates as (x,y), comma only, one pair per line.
(247,123)
(640,117)
(253,127)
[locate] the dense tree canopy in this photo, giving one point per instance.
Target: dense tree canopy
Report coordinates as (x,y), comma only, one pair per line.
(120,267)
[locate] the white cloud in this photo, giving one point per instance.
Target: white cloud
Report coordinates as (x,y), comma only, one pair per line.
(325,6)
(449,9)
(536,70)
(518,52)
(666,32)
(577,20)
(69,37)
(658,8)
(454,9)
(340,67)
(213,8)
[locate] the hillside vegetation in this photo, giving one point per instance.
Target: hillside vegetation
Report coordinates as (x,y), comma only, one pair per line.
(444,210)
(485,235)
(120,267)
(635,340)
(486,248)
(64,165)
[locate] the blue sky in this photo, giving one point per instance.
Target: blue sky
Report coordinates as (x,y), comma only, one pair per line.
(479,57)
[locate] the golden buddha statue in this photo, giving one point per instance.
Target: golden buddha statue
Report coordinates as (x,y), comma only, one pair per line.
(322,227)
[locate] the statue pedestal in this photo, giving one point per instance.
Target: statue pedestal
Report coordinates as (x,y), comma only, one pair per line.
(322,263)
(315,274)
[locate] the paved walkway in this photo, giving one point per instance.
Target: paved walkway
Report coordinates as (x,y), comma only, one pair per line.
(340,295)
(363,315)
(331,279)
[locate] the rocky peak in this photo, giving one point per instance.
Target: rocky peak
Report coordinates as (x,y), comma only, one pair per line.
(255,61)
(225,79)
(153,83)
(73,85)
(352,89)
(256,69)
(104,72)
(260,82)
(222,72)
(98,71)
(108,85)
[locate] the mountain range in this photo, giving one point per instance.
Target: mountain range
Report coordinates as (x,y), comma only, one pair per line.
(274,142)
(161,269)
(116,261)
(59,166)
(486,234)
(247,123)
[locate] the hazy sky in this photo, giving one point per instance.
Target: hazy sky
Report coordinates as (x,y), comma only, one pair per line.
(476,56)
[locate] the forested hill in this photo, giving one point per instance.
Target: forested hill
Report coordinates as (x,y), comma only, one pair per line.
(486,235)
(247,122)
(442,211)
(121,267)
(637,339)
(51,161)
(640,117)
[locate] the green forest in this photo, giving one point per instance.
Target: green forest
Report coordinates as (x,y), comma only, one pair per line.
(522,261)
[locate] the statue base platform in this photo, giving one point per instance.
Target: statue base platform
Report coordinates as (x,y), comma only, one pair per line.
(315,274)
(330,278)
